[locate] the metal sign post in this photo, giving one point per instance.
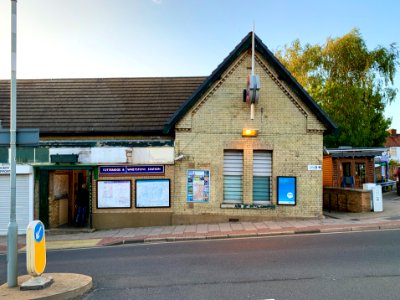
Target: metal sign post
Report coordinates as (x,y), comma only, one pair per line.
(27,137)
(12,250)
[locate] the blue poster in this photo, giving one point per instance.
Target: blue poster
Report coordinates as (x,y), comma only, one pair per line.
(286,190)
(198,186)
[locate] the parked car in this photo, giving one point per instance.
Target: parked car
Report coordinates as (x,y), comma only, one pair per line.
(398,180)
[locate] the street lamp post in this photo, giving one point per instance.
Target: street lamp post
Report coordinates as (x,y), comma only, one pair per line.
(12,236)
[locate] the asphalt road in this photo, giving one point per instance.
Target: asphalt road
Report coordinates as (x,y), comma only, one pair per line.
(364,265)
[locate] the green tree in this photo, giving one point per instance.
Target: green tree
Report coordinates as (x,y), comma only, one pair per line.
(350,83)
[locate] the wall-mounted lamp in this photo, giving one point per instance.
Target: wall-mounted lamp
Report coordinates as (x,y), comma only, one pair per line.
(249,132)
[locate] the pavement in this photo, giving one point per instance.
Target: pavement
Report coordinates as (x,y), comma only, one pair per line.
(332,222)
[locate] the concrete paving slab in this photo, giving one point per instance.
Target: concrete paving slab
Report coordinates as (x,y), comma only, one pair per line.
(249,226)
(225,227)
(213,227)
(237,226)
(179,229)
(190,229)
(260,225)
(202,228)
(272,225)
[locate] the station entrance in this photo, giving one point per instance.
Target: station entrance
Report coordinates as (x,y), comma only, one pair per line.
(58,196)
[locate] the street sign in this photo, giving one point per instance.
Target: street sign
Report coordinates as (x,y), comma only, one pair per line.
(35,248)
(314,168)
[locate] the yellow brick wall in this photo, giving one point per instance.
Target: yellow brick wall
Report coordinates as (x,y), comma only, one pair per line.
(286,127)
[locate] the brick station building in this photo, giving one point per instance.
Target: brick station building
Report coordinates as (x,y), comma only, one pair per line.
(179,150)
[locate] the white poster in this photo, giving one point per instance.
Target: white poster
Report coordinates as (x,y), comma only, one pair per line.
(114,194)
(152,193)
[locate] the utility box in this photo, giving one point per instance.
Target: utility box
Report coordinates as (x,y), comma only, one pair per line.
(370,187)
(376,196)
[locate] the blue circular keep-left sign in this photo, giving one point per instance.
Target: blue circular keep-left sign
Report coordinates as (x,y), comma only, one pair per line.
(38,232)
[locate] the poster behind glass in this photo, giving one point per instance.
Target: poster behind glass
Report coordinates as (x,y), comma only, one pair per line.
(152,193)
(198,185)
(114,194)
(286,190)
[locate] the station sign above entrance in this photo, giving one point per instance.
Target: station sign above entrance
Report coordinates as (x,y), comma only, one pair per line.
(132,170)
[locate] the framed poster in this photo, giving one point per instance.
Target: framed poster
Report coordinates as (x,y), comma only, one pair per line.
(286,190)
(198,185)
(114,194)
(152,193)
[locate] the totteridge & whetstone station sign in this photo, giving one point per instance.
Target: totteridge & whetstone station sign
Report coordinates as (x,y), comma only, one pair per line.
(131,170)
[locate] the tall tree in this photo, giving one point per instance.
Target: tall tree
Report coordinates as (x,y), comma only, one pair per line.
(351,84)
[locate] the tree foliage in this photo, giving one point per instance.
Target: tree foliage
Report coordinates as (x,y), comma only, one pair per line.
(350,83)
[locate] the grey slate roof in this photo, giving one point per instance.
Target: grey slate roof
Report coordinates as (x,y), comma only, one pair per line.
(97,106)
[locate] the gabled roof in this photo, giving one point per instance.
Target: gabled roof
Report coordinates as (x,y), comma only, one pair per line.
(282,72)
(97,106)
(393,141)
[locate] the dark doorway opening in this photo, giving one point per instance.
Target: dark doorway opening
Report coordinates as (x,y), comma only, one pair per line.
(58,192)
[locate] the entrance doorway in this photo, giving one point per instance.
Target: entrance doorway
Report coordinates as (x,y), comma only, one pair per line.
(58,194)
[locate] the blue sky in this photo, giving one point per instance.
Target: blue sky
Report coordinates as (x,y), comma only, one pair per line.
(137,38)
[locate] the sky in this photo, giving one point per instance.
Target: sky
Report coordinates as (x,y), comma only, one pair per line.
(153,38)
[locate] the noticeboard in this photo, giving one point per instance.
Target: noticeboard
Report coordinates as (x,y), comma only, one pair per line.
(114,194)
(151,193)
(286,190)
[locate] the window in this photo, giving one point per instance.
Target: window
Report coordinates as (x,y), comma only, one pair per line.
(346,169)
(25,155)
(41,155)
(360,171)
(233,176)
(262,173)
(3,155)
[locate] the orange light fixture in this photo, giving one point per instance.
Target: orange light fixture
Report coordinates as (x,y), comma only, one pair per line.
(249,132)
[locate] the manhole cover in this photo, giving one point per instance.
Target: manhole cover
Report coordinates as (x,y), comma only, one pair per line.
(354,219)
